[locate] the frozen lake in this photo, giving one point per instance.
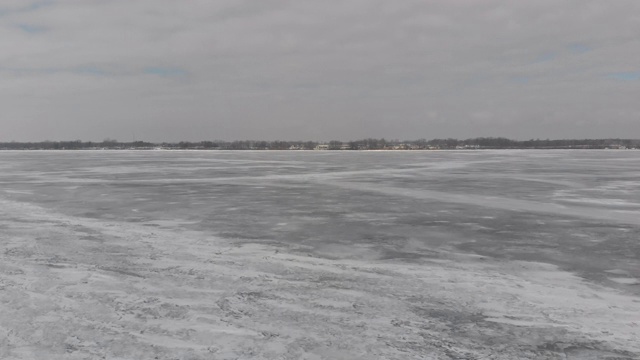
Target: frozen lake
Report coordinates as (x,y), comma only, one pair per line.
(320,255)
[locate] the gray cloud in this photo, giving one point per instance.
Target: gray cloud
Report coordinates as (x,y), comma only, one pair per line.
(227,69)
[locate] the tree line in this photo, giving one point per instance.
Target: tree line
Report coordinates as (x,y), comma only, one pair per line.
(362,144)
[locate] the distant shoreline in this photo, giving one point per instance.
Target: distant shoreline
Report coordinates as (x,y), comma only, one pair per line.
(482,143)
(311,150)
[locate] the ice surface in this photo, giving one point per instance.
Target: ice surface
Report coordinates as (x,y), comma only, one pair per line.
(308,255)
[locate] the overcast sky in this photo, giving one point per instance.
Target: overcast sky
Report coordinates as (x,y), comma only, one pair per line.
(169,70)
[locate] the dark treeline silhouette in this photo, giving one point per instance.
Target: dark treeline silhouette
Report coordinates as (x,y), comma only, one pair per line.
(363,144)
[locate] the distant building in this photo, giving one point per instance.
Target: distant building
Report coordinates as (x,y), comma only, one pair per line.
(322,147)
(616,147)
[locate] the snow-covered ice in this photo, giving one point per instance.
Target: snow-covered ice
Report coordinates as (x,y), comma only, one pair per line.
(320,255)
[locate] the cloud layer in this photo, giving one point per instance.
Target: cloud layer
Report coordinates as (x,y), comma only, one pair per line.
(297,69)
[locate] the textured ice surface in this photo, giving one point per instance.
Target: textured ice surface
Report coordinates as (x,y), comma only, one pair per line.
(320,255)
